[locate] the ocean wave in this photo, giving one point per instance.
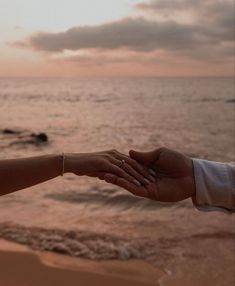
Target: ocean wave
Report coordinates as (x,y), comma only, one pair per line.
(104,246)
(110,197)
(88,245)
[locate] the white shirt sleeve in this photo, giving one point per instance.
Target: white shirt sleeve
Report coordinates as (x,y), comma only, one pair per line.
(215,186)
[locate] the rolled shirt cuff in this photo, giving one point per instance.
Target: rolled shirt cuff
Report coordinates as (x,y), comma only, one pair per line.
(215,186)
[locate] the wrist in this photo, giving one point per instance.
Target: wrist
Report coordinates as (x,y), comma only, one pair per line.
(67,162)
(71,162)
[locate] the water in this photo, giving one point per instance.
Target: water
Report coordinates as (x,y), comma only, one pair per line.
(192,115)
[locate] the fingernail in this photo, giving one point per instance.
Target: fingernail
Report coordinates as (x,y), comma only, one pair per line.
(152,172)
(137,183)
(147,181)
(152,178)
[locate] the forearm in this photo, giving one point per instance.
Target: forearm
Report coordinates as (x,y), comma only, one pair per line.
(17,174)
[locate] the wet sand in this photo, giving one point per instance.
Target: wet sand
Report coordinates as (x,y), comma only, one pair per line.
(21,266)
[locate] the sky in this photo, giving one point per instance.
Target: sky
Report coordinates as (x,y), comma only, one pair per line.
(70,38)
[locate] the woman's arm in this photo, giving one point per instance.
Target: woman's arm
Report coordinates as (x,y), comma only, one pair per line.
(17,174)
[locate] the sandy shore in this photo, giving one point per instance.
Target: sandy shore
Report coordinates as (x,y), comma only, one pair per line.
(21,266)
(205,258)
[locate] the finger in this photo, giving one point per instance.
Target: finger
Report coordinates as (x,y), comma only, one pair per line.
(146,158)
(153,192)
(135,190)
(114,169)
(110,178)
(99,175)
(131,171)
(135,165)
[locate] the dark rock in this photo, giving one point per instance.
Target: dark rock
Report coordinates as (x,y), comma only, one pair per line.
(24,137)
(230,100)
(10,131)
(41,137)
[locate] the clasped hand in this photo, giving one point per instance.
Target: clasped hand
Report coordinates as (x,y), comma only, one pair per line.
(163,174)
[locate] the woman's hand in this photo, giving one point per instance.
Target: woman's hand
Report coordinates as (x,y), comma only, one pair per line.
(112,162)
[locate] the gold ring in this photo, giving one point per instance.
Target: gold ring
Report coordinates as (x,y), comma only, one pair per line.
(122,163)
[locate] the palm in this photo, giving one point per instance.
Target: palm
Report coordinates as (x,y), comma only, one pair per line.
(174,179)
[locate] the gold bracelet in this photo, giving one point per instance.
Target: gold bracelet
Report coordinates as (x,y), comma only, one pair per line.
(63,159)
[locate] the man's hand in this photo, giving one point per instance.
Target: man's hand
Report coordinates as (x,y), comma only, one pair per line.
(173,173)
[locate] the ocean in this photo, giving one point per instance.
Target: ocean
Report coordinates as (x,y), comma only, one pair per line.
(87,218)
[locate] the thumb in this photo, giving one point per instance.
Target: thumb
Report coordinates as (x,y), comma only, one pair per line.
(145,158)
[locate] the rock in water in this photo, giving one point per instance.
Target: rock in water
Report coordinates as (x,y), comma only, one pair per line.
(10,131)
(40,138)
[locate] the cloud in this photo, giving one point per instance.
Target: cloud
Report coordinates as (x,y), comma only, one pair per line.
(207,36)
(134,34)
(172,6)
(219,12)
(165,5)
(214,16)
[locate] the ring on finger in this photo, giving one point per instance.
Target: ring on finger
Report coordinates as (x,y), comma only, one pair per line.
(122,163)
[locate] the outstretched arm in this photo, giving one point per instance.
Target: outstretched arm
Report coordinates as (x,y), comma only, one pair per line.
(17,174)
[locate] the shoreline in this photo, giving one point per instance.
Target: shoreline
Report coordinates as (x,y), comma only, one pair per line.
(23,266)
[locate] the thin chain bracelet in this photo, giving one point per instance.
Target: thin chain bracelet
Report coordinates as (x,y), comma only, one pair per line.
(63,159)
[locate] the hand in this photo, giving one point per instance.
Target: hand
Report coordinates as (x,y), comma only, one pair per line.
(112,162)
(173,173)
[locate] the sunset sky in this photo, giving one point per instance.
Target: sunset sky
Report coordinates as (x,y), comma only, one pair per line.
(116,37)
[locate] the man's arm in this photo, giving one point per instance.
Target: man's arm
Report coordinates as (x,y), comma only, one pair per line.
(215,185)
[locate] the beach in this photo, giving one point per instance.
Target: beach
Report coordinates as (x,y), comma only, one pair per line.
(84,231)
(22,266)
